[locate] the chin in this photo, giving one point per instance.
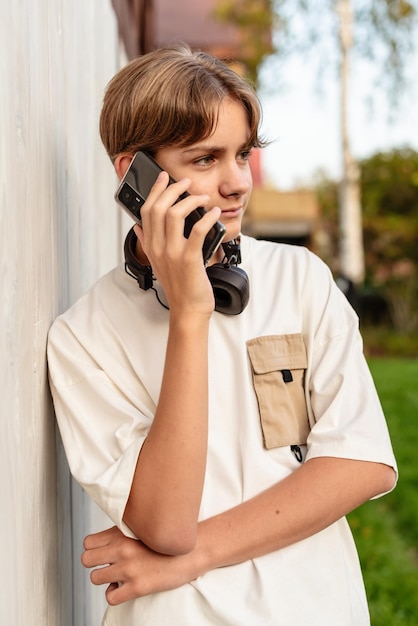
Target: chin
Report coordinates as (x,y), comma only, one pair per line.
(232,233)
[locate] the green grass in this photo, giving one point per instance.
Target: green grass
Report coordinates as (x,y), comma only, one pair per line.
(386,530)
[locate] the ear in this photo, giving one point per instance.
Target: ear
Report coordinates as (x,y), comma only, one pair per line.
(122,163)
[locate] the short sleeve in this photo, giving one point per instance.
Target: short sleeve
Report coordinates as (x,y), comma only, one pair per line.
(102,428)
(346,412)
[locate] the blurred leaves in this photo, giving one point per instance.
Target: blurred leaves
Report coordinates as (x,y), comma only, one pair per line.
(390,228)
(255,20)
(383,34)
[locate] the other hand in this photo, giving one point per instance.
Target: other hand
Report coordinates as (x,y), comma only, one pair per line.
(130,569)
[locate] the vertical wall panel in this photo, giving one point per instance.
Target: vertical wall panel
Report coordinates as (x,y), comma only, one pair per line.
(59,231)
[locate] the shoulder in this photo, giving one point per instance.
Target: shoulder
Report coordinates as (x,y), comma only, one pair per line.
(298,283)
(112,287)
(104,322)
(254,249)
(283,260)
(94,332)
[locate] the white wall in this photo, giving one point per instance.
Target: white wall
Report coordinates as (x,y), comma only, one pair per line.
(59,230)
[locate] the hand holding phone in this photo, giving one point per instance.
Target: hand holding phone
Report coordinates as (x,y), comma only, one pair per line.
(135,187)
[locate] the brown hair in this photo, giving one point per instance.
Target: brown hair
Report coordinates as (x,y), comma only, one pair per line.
(171,97)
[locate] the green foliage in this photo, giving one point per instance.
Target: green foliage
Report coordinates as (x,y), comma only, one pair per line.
(390,183)
(386,530)
(389,196)
(390,229)
(384,31)
(327,196)
(382,341)
(383,34)
(254,20)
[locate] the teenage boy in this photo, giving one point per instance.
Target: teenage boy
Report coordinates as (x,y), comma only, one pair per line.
(227,449)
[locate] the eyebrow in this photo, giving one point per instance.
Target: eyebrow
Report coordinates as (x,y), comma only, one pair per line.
(204,148)
(213,148)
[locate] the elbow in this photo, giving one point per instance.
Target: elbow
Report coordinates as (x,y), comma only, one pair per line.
(388,478)
(169,539)
(166,533)
(385,480)
(173,542)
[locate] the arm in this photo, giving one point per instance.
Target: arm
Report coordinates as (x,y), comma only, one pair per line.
(163,505)
(164,500)
(316,495)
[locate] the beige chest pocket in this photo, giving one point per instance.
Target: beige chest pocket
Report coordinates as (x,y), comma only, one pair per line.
(278,364)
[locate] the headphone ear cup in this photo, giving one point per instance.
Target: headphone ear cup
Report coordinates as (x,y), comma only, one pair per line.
(231,288)
(141,273)
(230,284)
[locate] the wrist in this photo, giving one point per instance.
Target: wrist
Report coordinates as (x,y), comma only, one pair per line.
(189,322)
(202,557)
(208,553)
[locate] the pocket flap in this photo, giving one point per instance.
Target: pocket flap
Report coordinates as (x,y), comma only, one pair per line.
(277,352)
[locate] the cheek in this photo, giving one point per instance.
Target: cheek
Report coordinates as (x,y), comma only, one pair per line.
(250,184)
(249,190)
(204,185)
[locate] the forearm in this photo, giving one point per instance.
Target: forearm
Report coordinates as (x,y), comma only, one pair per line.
(166,491)
(316,495)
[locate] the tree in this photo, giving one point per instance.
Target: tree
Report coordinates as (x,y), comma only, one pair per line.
(389,182)
(255,20)
(389,190)
(390,24)
(379,30)
(351,239)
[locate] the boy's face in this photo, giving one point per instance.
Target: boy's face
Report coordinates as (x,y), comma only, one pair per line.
(217,166)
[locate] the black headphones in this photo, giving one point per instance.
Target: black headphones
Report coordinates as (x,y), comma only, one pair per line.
(230,283)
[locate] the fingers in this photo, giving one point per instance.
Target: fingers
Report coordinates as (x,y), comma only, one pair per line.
(101,548)
(162,198)
(116,594)
(102,538)
(97,557)
(108,560)
(102,575)
(163,214)
(120,578)
(129,568)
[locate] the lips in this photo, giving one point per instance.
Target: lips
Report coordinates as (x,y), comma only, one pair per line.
(233,212)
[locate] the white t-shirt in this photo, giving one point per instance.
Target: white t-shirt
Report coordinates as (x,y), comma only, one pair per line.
(106,358)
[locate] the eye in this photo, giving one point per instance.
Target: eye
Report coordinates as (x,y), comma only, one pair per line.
(204,160)
(244,155)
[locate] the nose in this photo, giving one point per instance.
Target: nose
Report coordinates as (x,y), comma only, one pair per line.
(236,179)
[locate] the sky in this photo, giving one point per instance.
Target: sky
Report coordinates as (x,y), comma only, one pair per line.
(302,121)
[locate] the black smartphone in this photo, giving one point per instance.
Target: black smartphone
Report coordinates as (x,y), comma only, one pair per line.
(135,187)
